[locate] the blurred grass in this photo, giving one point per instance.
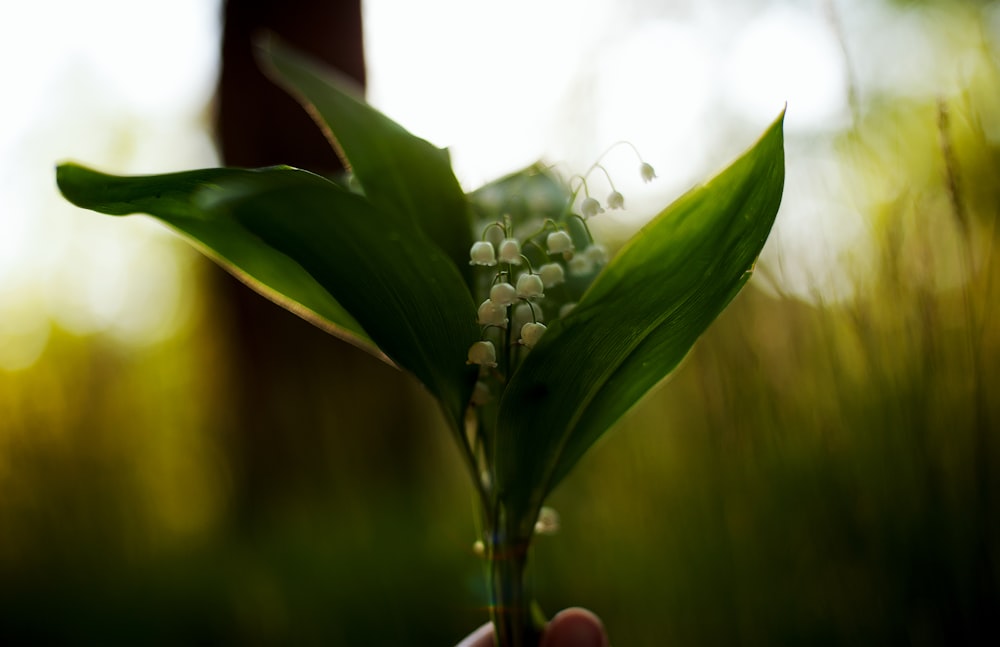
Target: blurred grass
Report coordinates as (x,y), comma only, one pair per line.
(815,473)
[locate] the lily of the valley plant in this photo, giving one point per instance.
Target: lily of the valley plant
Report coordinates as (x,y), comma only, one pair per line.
(500,302)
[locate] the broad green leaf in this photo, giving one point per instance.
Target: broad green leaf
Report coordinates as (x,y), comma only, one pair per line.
(635,324)
(401,290)
(172,199)
(405,292)
(532,190)
(398,171)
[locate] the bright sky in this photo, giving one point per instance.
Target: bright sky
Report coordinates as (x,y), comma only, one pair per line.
(120,85)
(691,84)
(502,90)
(125,85)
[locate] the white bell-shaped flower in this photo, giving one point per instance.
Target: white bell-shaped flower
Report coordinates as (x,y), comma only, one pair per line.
(616,200)
(552,274)
(510,251)
(483,353)
(529,286)
(482,253)
(580,265)
(548,521)
(503,294)
(531,332)
(492,314)
(590,207)
(596,253)
(647,172)
(559,242)
(566,309)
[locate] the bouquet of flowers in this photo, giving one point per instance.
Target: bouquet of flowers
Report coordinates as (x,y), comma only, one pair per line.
(499,302)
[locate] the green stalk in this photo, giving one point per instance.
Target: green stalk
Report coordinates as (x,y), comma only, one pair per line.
(511,600)
(517,622)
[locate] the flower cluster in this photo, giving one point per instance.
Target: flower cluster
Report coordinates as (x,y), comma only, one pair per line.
(537,255)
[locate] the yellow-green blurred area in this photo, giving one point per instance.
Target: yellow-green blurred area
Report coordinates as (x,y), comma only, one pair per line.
(822,469)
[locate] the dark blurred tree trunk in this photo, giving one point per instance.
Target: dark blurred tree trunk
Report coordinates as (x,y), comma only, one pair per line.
(260,124)
(289,411)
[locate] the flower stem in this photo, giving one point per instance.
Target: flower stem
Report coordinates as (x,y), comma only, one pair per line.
(511,599)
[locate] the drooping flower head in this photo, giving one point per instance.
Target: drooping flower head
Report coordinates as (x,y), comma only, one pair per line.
(590,207)
(492,314)
(580,265)
(503,294)
(647,172)
(482,253)
(510,251)
(483,353)
(597,253)
(559,242)
(552,274)
(529,286)
(531,332)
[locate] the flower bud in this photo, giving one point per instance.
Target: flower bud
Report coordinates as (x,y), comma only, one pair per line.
(482,254)
(510,251)
(529,286)
(531,332)
(616,200)
(559,242)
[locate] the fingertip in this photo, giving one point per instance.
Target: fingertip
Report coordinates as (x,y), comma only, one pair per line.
(482,637)
(575,627)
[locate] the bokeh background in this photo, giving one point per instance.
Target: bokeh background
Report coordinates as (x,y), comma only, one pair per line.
(183,463)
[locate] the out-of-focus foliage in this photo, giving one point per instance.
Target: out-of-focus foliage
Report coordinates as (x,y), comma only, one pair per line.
(814,474)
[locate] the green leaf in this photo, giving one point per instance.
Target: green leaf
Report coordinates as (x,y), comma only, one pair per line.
(172,199)
(402,291)
(635,324)
(533,190)
(398,171)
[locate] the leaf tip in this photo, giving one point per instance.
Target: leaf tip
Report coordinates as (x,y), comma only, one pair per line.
(263,43)
(72,180)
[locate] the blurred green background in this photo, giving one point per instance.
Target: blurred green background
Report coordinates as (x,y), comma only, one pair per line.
(822,469)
